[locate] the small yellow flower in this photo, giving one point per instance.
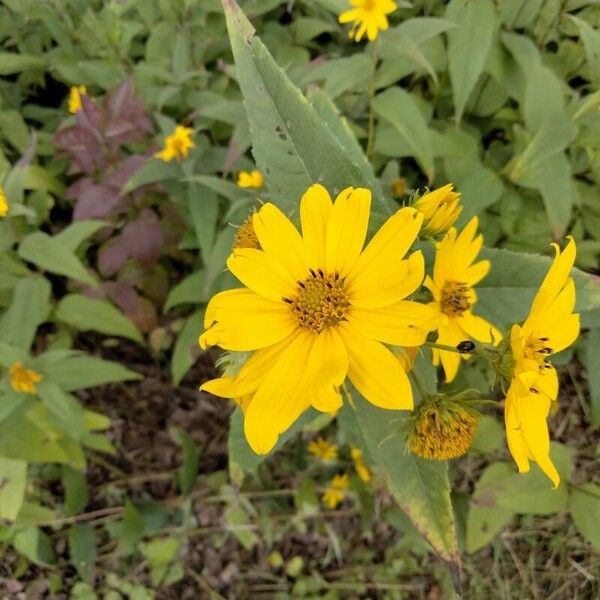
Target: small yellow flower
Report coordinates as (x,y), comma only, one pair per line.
(367,16)
(399,187)
(359,465)
(177,145)
(442,429)
(452,286)
(321,448)
(550,327)
(245,236)
(317,308)
(336,491)
(250,179)
(440,210)
(4,205)
(23,380)
(75,97)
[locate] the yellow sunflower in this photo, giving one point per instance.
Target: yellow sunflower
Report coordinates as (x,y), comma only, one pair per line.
(23,380)
(250,179)
(316,308)
(454,275)
(323,449)
(440,208)
(177,145)
(550,327)
(367,16)
(75,94)
(336,491)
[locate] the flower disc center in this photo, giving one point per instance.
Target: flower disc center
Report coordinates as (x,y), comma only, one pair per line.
(455,298)
(320,302)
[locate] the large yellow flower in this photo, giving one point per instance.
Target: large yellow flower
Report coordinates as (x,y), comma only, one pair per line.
(550,327)
(317,308)
(367,16)
(4,205)
(177,145)
(454,275)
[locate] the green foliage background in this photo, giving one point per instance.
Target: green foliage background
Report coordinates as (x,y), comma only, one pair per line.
(500,98)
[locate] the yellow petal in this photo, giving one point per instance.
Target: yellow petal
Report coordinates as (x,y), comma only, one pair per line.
(450,334)
(561,267)
(347,230)
(279,400)
(375,372)
(261,273)
(279,238)
(478,328)
(387,283)
(390,243)
(315,210)
(402,324)
(514,435)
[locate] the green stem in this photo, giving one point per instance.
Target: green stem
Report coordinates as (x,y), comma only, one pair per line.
(443,347)
(419,383)
(371,128)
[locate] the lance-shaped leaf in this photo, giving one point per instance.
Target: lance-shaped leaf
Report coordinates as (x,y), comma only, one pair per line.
(420,486)
(291,143)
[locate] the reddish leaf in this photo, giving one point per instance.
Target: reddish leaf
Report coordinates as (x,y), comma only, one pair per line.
(140,310)
(96,202)
(112,256)
(143,237)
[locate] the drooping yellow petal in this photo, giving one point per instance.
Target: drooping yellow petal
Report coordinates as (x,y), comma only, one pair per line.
(450,334)
(347,230)
(375,372)
(261,273)
(279,238)
(478,328)
(315,210)
(514,435)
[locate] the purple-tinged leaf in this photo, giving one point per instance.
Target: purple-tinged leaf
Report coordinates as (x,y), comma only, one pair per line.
(112,256)
(143,237)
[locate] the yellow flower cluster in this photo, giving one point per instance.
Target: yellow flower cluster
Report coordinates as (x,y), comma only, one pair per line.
(75,94)
(336,491)
(318,306)
(177,145)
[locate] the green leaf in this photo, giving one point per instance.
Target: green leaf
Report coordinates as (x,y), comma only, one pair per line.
(291,144)
(486,519)
(419,486)
(76,490)
(11,63)
(80,372)
(489,435)
(13,479)
(187,291)
(591,360)
(152,172)
(66,411)
(401,110)
(90,314)
(72,236)
(186,346)
(49,254)
(28,310)
(584,505)
(188,472)
(82,545)
(591,43)
(35,545)
(468,46)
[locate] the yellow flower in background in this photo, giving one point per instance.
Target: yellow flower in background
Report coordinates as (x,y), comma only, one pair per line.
(336,492)
(440,209)
(367,16)
(454,275)
(23,380)
(177,145)
(250,179)
(245,236)
(316,308)
(321,448)
(399,187)
(75,97)
(550,327)
(359,465)
(4,205)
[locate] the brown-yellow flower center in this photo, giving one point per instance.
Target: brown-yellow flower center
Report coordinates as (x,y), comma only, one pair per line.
(321,301)
(245,236)
(455,298)
(442,437)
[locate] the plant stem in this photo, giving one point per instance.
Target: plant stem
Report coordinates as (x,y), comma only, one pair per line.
(443,347)
(371,129)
